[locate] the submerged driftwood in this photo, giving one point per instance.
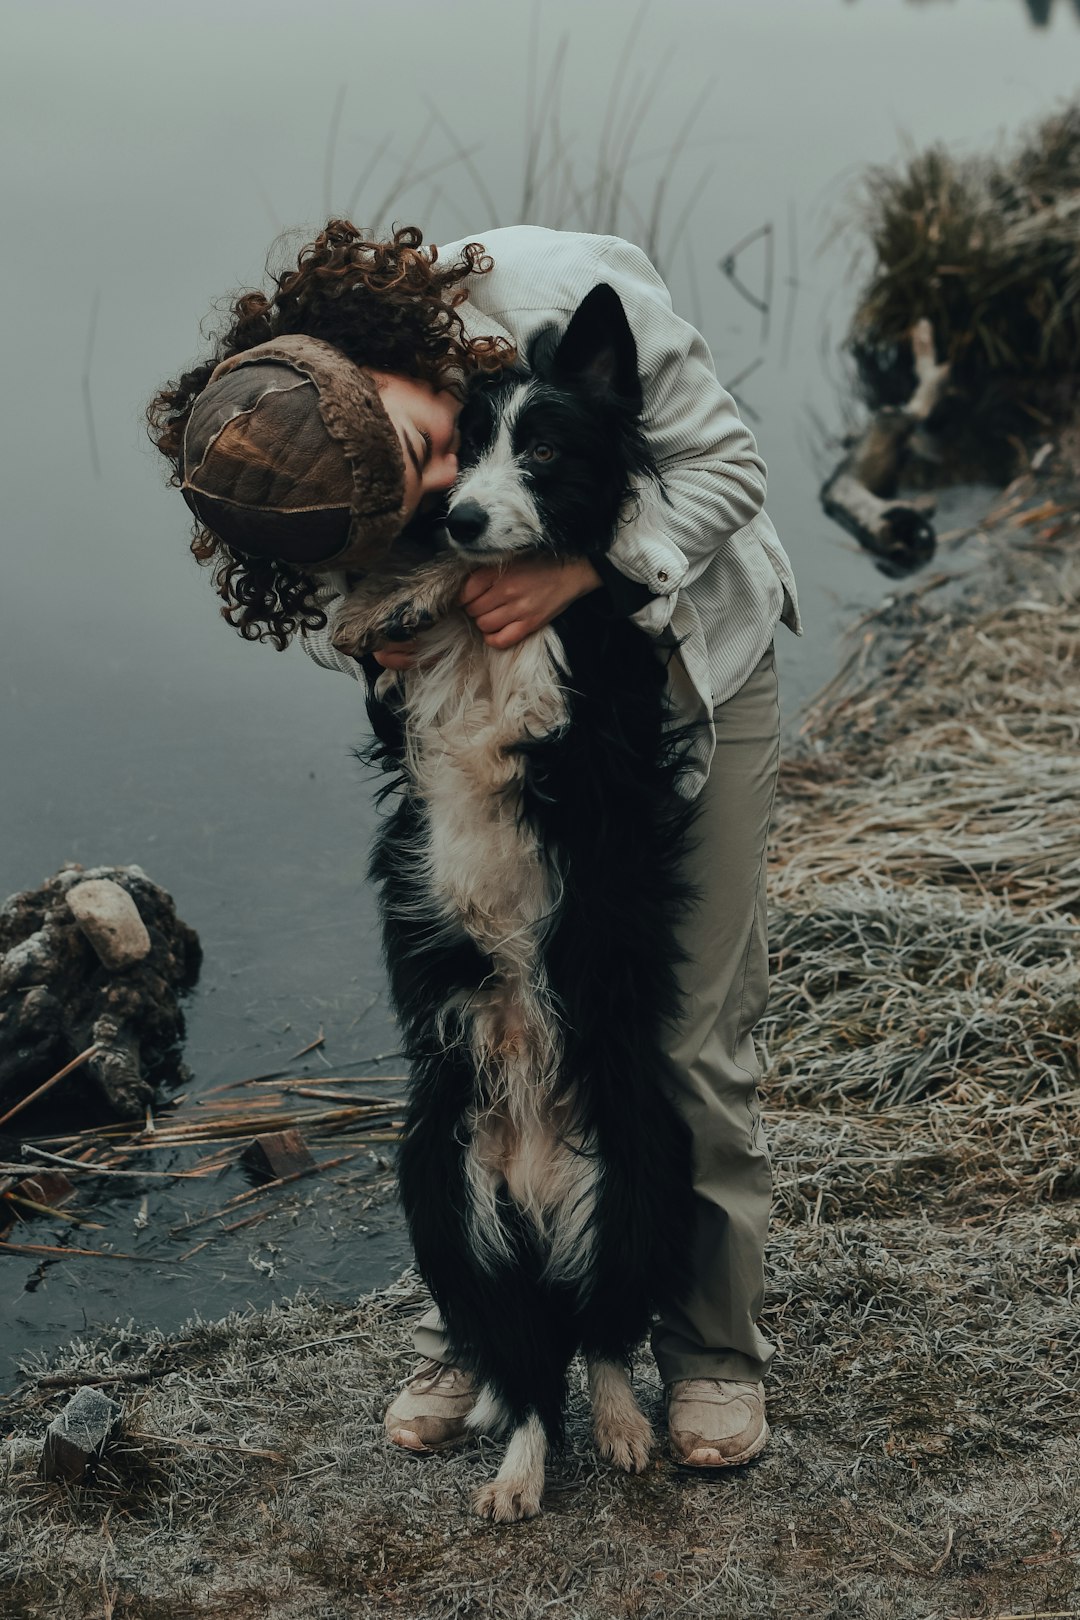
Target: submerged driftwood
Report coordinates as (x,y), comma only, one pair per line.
(861,493)
(91,966)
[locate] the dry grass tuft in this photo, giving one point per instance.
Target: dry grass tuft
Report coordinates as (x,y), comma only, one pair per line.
(988,248)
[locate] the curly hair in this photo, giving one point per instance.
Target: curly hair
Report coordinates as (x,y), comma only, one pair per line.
(389,305)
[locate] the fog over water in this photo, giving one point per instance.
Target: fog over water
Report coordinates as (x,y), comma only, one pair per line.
(153,155)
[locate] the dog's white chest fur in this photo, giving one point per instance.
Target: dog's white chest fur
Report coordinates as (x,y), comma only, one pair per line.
(487,875)
(465,713)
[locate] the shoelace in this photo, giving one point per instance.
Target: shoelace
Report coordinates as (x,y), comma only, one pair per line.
(706,1389)
(430,1374)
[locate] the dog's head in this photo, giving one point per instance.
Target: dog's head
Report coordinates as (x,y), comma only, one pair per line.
(554,453)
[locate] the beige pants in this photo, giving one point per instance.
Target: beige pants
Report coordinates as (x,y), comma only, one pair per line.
(713,1332)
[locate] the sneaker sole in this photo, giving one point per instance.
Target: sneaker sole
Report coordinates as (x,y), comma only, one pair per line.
(426,1450)
(746,1456)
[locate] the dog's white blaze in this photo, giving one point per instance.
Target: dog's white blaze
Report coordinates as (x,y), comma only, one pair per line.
(484,869)
(496,484)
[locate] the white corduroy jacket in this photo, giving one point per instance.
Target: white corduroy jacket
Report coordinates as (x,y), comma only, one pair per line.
(719,578)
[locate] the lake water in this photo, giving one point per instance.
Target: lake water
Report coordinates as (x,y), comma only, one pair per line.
(153,155)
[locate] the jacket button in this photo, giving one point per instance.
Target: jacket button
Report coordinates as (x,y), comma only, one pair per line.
(661,576)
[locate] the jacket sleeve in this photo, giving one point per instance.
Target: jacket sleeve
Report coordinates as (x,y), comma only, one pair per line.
(317,643)
(713,475)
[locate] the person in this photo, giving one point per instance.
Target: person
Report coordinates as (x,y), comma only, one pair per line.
(324,426)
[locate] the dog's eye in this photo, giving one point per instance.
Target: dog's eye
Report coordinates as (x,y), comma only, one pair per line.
(543,452)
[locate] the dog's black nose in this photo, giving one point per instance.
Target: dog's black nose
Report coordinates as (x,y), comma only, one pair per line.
(467,522)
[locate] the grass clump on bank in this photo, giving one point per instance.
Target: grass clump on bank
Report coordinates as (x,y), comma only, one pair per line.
(987,249)
(922,1092)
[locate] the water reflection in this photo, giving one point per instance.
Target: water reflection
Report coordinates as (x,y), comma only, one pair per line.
(1040,11)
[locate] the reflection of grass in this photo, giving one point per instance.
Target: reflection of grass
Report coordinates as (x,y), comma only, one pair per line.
(989,249)
(566,183)
(618,181)
(603,194)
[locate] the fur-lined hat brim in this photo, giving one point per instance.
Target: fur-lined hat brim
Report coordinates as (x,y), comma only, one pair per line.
(289,455)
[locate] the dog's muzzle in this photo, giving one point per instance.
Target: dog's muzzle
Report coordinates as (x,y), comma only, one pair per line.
(467,523)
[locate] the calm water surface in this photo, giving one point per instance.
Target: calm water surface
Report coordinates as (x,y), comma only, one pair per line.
(154,156)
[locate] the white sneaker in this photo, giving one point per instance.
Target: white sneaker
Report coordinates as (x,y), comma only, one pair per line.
(716,1422)
(429,1412)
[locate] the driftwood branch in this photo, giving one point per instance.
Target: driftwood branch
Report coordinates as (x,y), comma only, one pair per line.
(859,494)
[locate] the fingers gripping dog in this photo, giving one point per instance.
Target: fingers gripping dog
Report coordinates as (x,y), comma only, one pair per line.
(529,887)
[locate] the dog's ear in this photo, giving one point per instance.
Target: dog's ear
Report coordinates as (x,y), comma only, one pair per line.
(597,350)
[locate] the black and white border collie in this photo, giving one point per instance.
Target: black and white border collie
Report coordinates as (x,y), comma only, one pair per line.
(529,882)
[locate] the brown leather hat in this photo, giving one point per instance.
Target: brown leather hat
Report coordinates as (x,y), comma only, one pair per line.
(289,454)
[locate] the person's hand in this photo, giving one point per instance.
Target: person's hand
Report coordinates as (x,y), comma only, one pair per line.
(397,654)
(509,603)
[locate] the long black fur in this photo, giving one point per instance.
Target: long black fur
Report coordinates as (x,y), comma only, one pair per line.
(601,797)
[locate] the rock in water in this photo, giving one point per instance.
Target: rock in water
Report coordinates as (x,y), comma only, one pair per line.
(93,958)
(109,918)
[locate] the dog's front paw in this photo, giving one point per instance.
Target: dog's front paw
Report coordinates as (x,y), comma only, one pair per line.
(405,622)
(358,627)
(625,1439)
(507,1501)
(362,627)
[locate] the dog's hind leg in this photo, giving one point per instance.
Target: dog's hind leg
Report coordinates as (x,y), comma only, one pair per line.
(489,1415)
(622,1431)
(518,1488)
